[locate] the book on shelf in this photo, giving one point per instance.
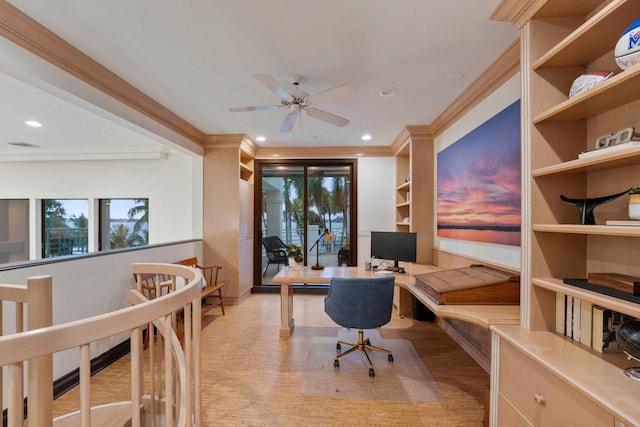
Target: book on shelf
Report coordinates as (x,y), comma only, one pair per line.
(600,330)
(561,310)
(629,222)
(586,315)
(568,318)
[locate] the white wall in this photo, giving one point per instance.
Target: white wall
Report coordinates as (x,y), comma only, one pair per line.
(504,96)
(376,200)
(173,187)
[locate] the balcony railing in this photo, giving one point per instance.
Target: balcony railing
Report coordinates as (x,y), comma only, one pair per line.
(174,393)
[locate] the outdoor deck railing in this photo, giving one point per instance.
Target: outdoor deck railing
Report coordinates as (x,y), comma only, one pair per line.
(173,398)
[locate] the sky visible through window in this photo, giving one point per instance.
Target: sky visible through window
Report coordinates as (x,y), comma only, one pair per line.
(119,207)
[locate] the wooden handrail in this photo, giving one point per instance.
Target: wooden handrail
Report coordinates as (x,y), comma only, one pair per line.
(181,364)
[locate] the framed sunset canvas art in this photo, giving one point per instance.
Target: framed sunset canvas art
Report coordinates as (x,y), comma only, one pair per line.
(479,188)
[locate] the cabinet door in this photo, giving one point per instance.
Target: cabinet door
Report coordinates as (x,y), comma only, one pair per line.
(543,398)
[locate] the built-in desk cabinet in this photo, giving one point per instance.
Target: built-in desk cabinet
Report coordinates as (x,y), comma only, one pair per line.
(560,40)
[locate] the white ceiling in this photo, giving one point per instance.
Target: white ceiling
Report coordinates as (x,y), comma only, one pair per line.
(197,58)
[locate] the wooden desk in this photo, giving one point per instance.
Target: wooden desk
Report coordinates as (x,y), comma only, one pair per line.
(483,315)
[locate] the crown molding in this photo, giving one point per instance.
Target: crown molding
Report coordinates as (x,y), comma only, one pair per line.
(502,69)
(30,35)
(410,133)
(38,155)
(323,152)
(516,12)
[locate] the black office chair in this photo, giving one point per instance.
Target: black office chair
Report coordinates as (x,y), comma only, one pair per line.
(363,304)
(276,251)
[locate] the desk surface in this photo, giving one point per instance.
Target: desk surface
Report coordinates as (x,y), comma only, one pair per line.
(308,275)
(481,315)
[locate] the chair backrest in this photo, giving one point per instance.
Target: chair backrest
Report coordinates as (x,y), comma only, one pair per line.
(273,243)
(360,303)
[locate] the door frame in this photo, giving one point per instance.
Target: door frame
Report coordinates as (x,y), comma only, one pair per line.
(306,163)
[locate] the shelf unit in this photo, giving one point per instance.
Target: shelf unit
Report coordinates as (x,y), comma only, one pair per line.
(246,165)
(413,151)
(403,190)
(228,210)
(562,40)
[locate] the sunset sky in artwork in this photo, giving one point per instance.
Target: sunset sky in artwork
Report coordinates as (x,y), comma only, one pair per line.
(479,175)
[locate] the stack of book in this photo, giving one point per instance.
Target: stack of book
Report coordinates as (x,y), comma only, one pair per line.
(589,324)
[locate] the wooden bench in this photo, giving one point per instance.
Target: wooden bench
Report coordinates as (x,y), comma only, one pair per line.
(210,274)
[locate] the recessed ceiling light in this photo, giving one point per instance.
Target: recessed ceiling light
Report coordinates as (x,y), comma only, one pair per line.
(261,138)
(366,137)
(33,124)
(388,91)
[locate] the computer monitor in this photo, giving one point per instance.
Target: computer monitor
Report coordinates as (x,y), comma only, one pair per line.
(394,245)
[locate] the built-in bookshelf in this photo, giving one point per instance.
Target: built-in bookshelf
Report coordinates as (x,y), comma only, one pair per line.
(561,40)
(414,194)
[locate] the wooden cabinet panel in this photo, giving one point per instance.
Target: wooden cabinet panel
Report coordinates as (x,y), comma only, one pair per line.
(543,398)
(508,415)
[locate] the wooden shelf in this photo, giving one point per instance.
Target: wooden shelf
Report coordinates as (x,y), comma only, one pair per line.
(404,204)
(404,224)
(612,93)
(245,172)
(592,39)
(595,230)
(404,186)
(597,162)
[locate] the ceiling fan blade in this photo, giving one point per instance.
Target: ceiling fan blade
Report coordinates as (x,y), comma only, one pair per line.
(254,108)
(333,94)
(289,121)
(327,117)
(272,84)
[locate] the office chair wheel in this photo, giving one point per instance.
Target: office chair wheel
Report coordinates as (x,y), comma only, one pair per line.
(367,341)
(390,358)
(372,373)
(336,363)
(338,347)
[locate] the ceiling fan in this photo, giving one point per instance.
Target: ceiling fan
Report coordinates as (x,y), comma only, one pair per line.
(298,100)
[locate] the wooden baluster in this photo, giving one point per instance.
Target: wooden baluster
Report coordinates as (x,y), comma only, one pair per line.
(15,408)
(40,381)
(136,376)
(85,386)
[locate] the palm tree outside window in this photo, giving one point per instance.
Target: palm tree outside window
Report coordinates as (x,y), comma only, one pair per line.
(124,223)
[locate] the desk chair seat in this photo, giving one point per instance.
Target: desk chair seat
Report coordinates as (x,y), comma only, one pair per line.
(363,304)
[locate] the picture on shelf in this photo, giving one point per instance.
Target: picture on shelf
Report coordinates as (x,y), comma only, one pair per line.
(479,188)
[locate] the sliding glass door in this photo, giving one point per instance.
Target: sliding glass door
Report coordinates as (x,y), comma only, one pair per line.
(305,206)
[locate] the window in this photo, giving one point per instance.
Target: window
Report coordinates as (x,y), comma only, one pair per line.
(124,223)
(65,227)
(14,230)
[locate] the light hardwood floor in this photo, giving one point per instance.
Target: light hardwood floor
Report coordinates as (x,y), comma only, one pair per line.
(252,377)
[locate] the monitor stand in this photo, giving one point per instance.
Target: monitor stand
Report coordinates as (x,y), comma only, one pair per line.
(396,266)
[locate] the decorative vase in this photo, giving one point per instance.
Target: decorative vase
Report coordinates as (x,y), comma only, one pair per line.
(292,262)
(634,206)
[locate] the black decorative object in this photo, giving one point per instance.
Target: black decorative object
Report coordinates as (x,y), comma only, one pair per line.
(586,206)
